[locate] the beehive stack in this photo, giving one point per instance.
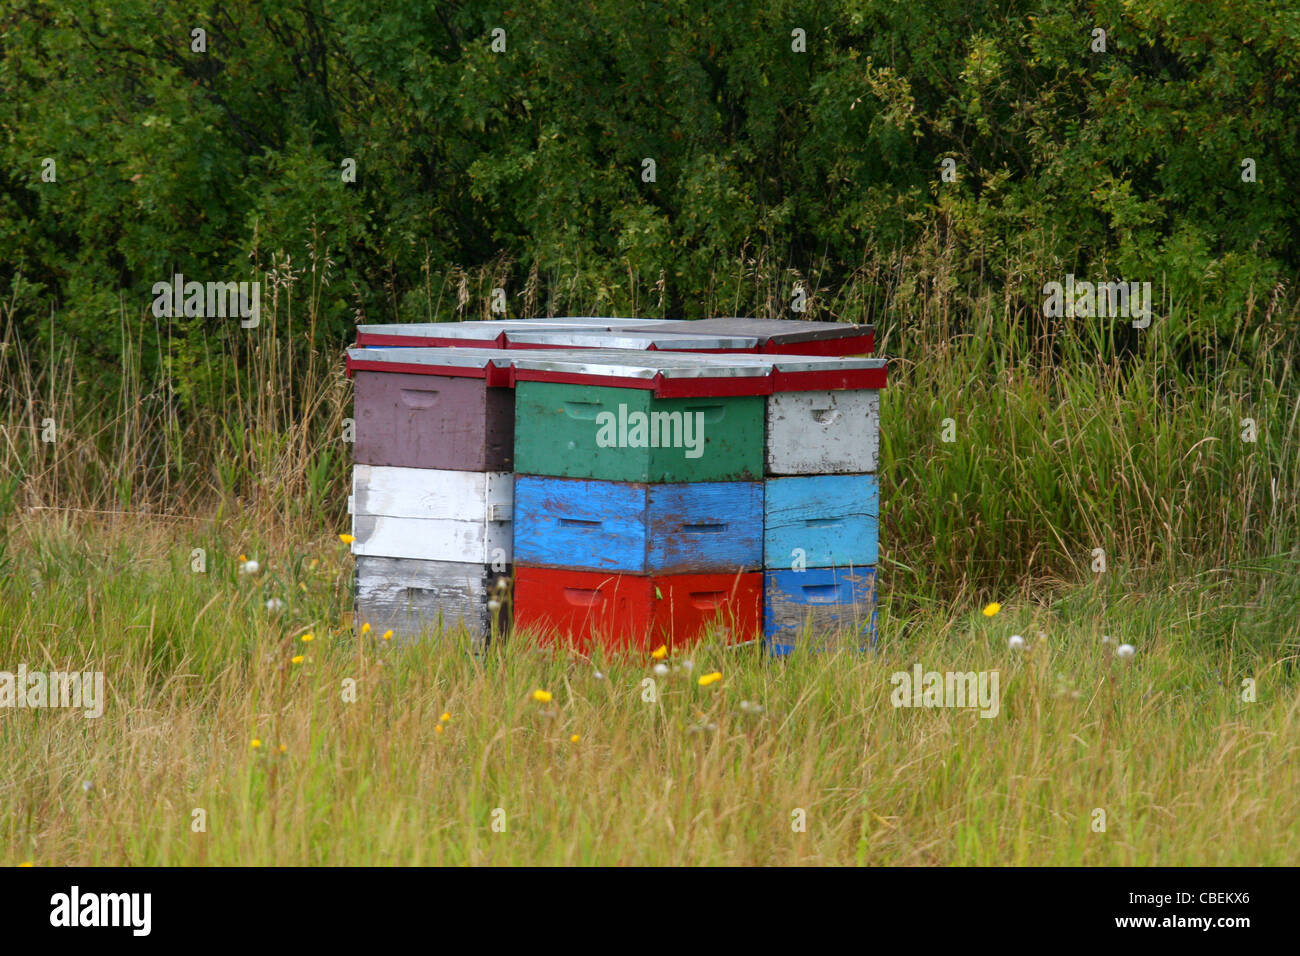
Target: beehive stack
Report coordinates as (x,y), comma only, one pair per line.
(432,487)
(639,506)
(821,517)
(772,518)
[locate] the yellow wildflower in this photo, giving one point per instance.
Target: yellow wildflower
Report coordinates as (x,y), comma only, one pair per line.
(991,609)
(707,679)
(542,696)
(660,652)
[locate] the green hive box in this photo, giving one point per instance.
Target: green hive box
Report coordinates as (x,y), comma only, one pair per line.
(580,431)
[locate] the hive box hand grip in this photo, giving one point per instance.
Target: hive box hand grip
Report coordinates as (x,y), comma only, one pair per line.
(712,413)
(583,411)
(419,397)
(579,523)
(583,597)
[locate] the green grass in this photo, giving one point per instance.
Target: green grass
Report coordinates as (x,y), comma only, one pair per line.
(1185,770)
(1067,442)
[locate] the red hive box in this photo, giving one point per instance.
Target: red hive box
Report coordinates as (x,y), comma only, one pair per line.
(580,609)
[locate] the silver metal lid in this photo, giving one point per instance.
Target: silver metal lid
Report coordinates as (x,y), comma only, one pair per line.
(779,330)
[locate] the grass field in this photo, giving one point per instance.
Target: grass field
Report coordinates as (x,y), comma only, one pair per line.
(197,668)
(1013,469)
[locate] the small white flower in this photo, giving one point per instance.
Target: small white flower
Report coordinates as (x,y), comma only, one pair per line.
(1125,652)
(249,567)
(275,605)
(660,670)
(494,605)
(1016,642)
(598,675)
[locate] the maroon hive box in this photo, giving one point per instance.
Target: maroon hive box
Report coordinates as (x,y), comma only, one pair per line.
(433,421)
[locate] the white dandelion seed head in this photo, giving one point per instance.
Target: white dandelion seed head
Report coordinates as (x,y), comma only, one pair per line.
(1125,652)
(1016,642)
(660,670)
(1105,639)
(274,605)
(250,567)
(598,675)
(687,665)
(494,605)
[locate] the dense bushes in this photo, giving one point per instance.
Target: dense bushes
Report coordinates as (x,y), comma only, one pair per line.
(526,167)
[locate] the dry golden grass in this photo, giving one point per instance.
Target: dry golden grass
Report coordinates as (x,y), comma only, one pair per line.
(197,668)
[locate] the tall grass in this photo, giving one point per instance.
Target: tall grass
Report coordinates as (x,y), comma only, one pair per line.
(1067,438)
(119,554)
(1185,769)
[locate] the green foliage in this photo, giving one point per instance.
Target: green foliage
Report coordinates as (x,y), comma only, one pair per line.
(819,166)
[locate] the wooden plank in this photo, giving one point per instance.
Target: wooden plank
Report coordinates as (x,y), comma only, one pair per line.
(821,608)
(820,521)
(637,528)
(823,433)
(432,514)
(429,599)
(589,431)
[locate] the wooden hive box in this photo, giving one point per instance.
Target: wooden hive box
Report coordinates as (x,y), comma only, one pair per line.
(454,414)
(823,432)
(416,599)
(432,514)
(617,434)
(827,607)
(639,528)
(821,521)
(584,609)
